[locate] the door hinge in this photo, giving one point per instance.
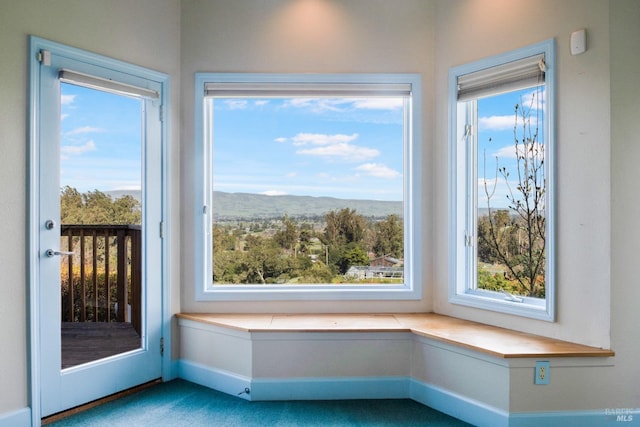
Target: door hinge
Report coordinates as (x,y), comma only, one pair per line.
(44,57)
(161,112)
(161,229)
(162,346)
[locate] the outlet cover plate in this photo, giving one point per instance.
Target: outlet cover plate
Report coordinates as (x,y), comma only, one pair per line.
(543,369)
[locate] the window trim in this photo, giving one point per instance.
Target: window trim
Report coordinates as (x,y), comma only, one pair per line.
(412,288)
(460,268)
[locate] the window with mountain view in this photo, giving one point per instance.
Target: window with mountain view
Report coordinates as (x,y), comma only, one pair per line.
(502,160)
(307,184)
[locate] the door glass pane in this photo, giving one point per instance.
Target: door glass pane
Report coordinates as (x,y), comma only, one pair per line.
(101,224)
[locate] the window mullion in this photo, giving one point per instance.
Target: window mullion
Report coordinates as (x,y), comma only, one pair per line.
(472,192)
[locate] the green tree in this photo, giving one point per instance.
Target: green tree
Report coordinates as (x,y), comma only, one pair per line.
(263,261)
(287,236)
(304,241)
(345,256)
(389,237)
(96,207)
(71,206)
(317,273)
(344,226)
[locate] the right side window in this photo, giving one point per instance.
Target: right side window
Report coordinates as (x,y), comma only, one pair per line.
(502,176)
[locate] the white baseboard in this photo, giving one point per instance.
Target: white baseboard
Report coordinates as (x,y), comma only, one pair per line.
(465,409)
(330,388)
(21,417)
(217,379)
(455,405)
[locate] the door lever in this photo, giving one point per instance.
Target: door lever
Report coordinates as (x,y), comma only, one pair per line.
(50,253)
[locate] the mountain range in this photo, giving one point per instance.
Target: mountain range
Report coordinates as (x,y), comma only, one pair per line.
(249,206)
(259,206)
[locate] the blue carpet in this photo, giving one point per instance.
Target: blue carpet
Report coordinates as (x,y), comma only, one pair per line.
(181,403)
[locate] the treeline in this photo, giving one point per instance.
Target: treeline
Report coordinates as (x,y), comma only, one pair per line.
(96,207)
(294,251)
(288,250)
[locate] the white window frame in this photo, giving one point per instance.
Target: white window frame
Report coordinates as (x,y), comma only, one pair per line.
(463,190)
(297,84)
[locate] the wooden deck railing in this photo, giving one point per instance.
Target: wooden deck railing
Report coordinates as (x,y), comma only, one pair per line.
(101,282)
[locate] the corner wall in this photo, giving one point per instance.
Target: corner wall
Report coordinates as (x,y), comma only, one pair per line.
(465,32)
(623,389)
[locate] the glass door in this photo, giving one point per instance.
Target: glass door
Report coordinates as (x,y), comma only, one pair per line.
(97,194)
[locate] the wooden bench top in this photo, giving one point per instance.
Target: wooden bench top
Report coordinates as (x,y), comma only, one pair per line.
(498,342)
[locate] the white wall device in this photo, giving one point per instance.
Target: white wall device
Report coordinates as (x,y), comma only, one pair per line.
(578,42)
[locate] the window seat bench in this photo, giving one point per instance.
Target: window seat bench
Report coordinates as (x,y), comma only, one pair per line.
(498,342)
(478,373)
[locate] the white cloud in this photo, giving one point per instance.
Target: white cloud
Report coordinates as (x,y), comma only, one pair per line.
(67,99)
(321,105)
(317,105)
(78,149)
(322,139)
(496,123)
(261,102)
(509,151)
(236,104)
(63,116)
(337,146)
(343,151)
(378,103)
(534,100)
(378,170)
(274,193)
(84,129)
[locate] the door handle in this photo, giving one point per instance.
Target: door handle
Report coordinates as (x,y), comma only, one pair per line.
(50,253)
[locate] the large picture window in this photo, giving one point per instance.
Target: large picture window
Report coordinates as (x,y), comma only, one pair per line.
(308,186)
(502,164)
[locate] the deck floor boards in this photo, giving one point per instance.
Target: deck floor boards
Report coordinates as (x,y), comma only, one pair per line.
(83,342)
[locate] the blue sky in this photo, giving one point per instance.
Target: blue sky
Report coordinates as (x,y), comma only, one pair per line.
(350,148)
(337,147)
(100,140)
(496,120)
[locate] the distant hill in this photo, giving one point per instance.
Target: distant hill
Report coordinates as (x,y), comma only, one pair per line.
(116,194)
(249,206)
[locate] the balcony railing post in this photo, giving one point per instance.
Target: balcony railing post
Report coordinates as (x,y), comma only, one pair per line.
(107,275)
(122,277)
(83,284)
(136,278)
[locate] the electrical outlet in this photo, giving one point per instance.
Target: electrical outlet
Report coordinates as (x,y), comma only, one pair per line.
(543,370)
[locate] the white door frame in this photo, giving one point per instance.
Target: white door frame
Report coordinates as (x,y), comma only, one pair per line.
(37,47)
